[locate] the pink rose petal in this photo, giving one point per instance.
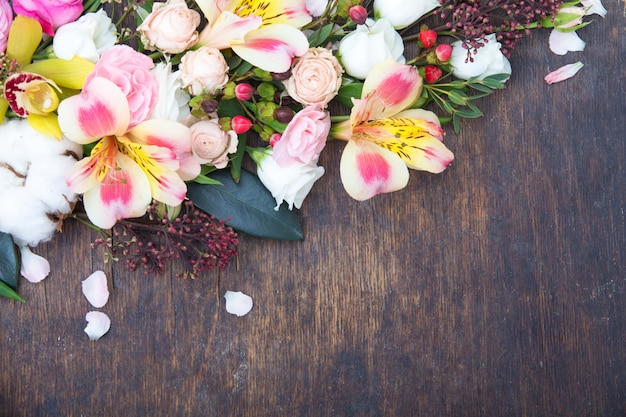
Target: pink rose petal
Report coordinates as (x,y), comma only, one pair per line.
(95,289)
(238,303)
(98,324)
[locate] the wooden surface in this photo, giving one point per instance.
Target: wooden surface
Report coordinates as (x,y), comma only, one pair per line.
(494,289)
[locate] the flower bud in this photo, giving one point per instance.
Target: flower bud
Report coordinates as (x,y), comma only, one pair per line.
(283,114)
(428,38)
(432,73)
(266,91)
(358,14)
(240,124)
(275,138)
(244,91)
(443,52)
(265,110)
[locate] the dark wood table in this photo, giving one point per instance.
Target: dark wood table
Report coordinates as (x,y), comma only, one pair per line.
(494,289)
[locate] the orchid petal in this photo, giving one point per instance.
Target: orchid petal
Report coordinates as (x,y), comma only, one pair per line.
(98,324)
(65,73)
(367,170)
(564,42)
(33,267)
(563,73)
(389,88)
(228,28)
(273,47)
(123,192)
(95,289)
(4,106)
(24,38)
(46,124)
(101,109)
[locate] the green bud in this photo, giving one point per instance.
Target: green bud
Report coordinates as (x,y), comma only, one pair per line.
(265,110)
(229,90)
(262,74)
(266,91)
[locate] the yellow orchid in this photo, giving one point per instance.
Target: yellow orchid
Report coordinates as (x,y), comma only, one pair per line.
(385,138)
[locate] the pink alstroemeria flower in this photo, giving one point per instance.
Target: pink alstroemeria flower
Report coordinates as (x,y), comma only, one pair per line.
(127,168)
(264,33)
(384,138)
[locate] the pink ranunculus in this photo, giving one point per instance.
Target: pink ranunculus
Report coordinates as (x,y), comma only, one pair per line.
(130,71)
(6,18)
(304,138)
(49,13)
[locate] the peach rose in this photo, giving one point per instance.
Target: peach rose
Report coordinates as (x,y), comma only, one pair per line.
(203,71)
(210,144)
(170,27)
(304,138)
(315,77)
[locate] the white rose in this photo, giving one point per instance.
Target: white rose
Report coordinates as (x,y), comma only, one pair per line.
(368,45)
(203,71)
(289,184)
(86,37)
(488,60)
(211,145)
(171,27)
(402,13)
(173,101)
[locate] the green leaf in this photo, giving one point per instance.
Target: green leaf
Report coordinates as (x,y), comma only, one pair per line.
(319,36)
(457,97)
(246,206)
(9,270)
(6,291)
(481,87)
(347,92)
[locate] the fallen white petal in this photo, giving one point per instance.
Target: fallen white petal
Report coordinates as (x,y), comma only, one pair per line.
(98,324)
(594,6)
(238,303)
(33,267)
(95,289)
(564,42)
(563,73)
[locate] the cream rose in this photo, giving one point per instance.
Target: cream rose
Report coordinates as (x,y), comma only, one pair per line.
(210,144)
(171,27)
(315,77)
(203,71)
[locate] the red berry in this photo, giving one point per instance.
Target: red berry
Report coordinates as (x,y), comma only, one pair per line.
(443,52)
(432,73)
(428,38)
(244,91)
(240,124)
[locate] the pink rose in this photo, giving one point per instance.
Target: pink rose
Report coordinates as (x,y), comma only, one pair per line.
(170,27)
(315,77)
(130,71)
(304,138)
(211,145)
(6,18)
(203,71)
(49,13)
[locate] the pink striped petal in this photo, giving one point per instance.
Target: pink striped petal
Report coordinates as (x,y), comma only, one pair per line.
(563,73)
(123,192)
(273,47)
(367,170)
(101,109)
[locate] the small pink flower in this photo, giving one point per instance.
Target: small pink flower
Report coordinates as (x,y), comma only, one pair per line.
(304,138)
(6,18)
(130,71)
(49,13)
(563,73)
(210,144)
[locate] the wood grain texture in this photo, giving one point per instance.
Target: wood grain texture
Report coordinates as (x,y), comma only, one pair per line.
(494,289)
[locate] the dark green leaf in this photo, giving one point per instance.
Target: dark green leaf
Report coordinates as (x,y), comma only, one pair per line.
(457,97)
(318,37)
(468,114)
(246,206)
(456,122)
(347,92)
(481,87)
(9,271)
(243,68)
(6,291)
(230,108)
(237,158)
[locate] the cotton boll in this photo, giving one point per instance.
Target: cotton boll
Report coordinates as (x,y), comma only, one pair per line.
(95,289)
(238,303)
(25,217)
(98,324)
(47,182)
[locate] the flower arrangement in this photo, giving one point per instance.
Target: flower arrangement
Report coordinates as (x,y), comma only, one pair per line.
(205,116)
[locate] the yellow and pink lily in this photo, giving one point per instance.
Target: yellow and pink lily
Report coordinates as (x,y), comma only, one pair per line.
(385,138)
(263,32)
(127,168)
(34,90)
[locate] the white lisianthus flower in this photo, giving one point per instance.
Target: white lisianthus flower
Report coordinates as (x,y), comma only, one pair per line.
(402,13)
(289,184)
(488,60)
(87,37)
(173,101)
(34,198)
(368,45)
